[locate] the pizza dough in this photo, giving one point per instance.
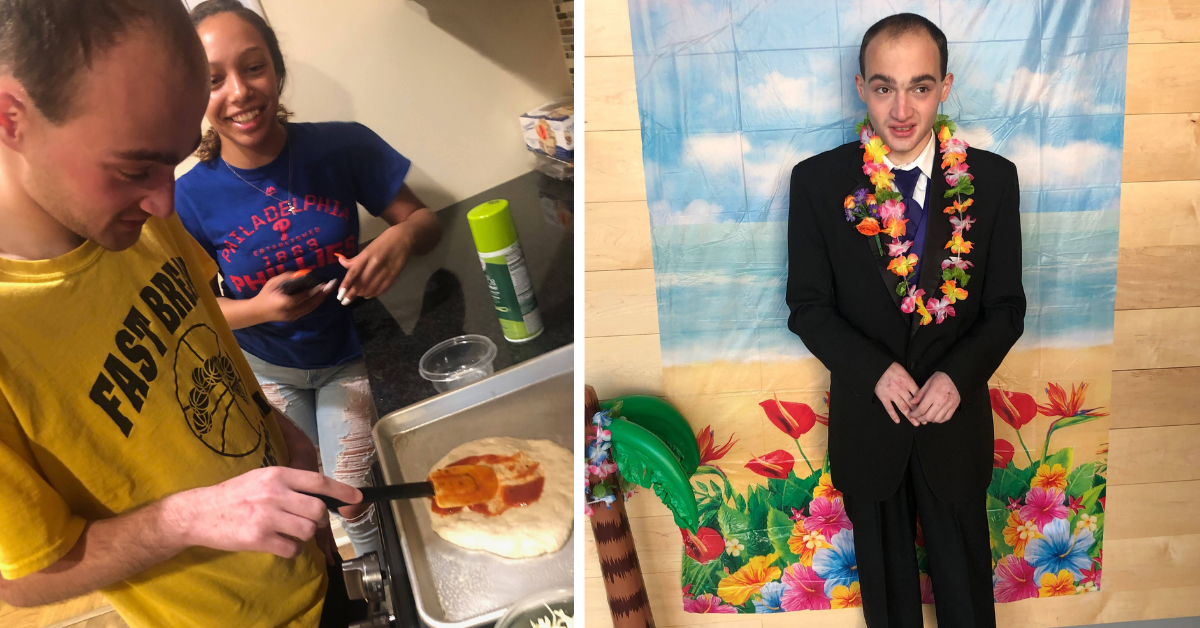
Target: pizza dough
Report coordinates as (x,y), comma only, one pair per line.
(540,527)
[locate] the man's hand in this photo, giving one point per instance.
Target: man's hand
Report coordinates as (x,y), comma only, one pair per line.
(936,401)
(896,388)
(259,511)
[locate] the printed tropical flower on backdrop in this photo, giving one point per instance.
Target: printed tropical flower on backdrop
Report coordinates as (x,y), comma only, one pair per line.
(804,590)
(1018,532)
(1002,453)
(748,580)
(836,564)
(1048,477)
(846,596)
(770,598)
(1013,580)
(703,546)
(1054,586)
(706,603)
(777,464)
(784,543)
(825,488)
(705,441)
(794,419)
(804,543)
(926,589)
(827,517)
(1060,549)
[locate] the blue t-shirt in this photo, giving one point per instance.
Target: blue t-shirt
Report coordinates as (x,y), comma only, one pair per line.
(334,167)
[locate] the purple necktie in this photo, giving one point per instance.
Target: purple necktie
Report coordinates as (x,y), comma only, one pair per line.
(906,182)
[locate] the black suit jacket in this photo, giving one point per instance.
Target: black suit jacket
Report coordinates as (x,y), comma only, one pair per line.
(845,308)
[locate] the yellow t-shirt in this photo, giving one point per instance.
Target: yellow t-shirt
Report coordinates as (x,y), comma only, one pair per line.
(120,384)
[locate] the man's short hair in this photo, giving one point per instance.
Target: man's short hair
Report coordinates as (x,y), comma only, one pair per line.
(46,44)
(902,24)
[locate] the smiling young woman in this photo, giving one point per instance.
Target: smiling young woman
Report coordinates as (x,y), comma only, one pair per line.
(272,200)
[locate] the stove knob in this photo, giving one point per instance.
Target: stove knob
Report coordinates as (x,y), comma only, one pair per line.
(364,578)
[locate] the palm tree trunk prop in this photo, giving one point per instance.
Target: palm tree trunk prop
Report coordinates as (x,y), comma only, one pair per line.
(623,582)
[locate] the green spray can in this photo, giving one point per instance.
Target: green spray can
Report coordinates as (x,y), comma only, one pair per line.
(505,269)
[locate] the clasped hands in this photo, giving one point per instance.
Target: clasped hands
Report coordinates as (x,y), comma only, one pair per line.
(935,402)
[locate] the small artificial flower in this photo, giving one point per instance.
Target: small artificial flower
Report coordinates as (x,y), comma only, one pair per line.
(909,303)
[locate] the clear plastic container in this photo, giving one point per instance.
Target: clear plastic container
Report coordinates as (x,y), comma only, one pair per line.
(459,361)
(534,607)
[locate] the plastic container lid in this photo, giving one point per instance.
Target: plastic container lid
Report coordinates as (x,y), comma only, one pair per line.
(492,226)
(451,359)
(531,608)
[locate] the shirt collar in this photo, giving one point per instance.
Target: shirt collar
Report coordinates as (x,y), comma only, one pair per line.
(924,161)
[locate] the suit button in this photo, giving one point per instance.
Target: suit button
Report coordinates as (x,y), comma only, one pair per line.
(912,366)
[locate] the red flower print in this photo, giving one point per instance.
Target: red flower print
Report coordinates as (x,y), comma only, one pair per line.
(1002,453)
(1062,406)
(776,464)
(793,418)
(703,546)
(1074,503)
(705,439)
(1014,408)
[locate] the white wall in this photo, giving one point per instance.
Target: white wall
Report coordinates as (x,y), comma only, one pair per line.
(442,81)
(439,101)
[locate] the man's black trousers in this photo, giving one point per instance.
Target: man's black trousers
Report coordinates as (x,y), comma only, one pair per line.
(957,544)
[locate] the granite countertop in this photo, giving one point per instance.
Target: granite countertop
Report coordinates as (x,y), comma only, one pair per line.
(444,294)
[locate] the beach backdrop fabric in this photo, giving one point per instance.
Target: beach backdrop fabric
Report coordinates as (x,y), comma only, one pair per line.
(731,95)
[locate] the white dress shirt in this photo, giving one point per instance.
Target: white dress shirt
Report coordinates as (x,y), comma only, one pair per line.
(924,161)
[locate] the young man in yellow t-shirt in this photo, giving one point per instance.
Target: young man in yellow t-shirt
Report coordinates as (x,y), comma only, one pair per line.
(138,455)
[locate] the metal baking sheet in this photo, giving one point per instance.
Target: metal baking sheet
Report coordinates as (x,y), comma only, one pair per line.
(456,587)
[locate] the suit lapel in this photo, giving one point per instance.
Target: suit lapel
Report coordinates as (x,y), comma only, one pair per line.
(890,279)
(937,233)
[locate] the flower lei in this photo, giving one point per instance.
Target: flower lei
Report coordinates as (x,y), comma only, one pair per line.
(883,212)
(601,464)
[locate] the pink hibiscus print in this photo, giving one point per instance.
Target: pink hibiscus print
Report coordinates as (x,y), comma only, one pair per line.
(1014,580)
(926,589)
(804,589)
(827,517)
(1043,506)
(706,603)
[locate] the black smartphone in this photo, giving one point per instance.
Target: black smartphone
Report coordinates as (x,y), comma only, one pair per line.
(297,285)
(311,280)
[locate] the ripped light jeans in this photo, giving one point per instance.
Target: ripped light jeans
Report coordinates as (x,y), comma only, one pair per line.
(333,406)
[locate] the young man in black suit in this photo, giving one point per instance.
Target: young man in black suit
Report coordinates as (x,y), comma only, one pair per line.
(910,343)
